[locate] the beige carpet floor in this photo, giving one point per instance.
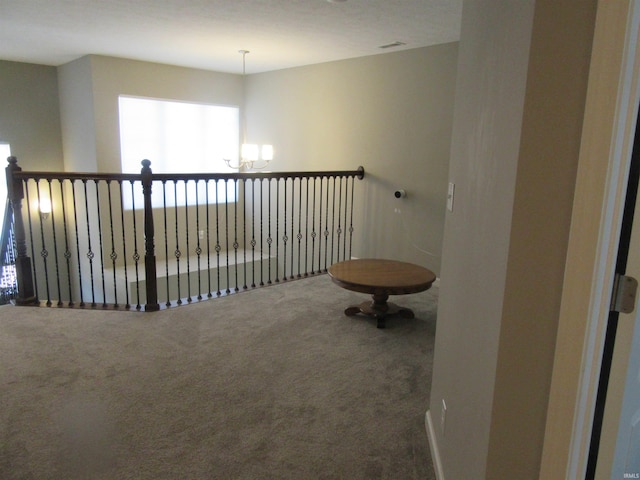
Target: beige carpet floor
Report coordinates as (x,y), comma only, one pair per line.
(274,383)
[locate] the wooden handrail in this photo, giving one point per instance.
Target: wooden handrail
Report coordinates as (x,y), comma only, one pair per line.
(42,175)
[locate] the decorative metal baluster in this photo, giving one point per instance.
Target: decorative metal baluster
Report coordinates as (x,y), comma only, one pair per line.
(339,229)
(186,220)
(67,253)
(136,255)
(218,247)
(44,253)
(226,231)
(313,227)
(326,228)
(166,242)
(346,216)
(235,231)
(55,245)
(306,232)
(124,247)
(269,239)
(360,176)
(244,232)
(261,234)
(198,249)
(353,184)
(320,232)
(177,252)
(253,234)
(278,234)
(300,226)
(209,294)
(293,209)
(113,255)
(90,254)
(104,289)
(333,219)
(284,229)
(346,209)
(75,221)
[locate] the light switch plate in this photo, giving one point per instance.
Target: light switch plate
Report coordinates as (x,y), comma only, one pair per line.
(450,194)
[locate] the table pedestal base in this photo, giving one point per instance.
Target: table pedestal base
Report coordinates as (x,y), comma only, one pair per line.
(379,308)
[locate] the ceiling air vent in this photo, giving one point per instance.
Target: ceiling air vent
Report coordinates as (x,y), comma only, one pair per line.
(392,45)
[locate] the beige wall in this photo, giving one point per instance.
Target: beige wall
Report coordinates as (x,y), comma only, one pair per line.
(77,116)
(390,113)
(30,119)
(30,123)
(555,100)
(516,136)
(90,87)
(492,68)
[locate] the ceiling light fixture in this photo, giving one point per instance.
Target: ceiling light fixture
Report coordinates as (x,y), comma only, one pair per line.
(250,153)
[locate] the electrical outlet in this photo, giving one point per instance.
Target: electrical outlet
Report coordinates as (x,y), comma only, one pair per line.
(443,416)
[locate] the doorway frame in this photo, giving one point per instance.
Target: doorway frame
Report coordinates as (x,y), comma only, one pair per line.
(603,168)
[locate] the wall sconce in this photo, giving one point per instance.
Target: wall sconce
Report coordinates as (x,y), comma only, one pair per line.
(44,207)
(250,156)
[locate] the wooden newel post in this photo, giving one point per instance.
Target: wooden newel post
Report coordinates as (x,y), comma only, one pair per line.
(24,273)
(149,247)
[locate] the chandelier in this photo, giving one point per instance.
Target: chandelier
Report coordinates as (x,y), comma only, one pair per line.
(252,156)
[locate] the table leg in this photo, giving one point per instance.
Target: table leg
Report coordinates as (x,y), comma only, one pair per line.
(379,308)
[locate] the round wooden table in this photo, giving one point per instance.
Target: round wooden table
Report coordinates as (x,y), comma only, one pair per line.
(381,278)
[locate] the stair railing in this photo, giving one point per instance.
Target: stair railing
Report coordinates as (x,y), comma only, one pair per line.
(149,241)
(8,283)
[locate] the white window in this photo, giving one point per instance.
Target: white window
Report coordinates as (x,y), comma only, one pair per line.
(178,137)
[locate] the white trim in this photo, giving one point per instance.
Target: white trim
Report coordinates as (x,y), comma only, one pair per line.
(616,183)
(433,446)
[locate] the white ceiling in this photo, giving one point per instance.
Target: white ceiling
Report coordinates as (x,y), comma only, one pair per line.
(207,34)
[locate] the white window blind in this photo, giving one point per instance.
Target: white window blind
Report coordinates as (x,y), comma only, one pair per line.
(178,137)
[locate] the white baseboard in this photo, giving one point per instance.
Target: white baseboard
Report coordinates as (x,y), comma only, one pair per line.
(433,446)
